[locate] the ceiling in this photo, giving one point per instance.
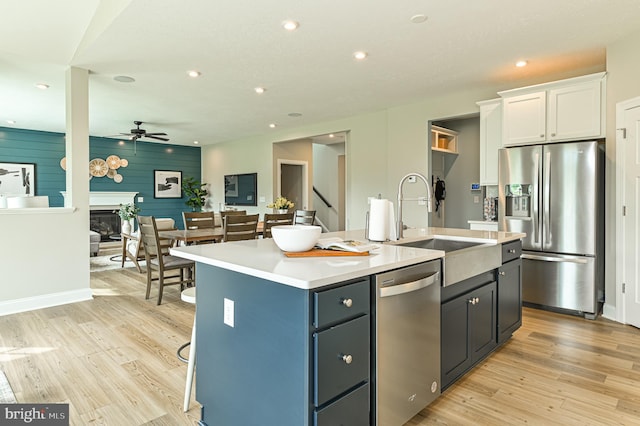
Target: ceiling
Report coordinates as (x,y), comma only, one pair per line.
(238,45)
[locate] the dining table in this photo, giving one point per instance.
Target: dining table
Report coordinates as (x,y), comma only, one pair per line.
(200,235)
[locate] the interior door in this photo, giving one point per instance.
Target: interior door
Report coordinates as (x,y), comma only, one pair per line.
(628,123)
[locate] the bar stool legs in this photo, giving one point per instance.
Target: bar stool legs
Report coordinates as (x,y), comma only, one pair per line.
(189,296)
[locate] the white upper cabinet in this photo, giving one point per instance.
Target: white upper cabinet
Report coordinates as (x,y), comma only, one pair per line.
(490,140)
(564,110)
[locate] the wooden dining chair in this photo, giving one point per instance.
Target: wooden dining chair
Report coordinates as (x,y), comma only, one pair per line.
(225,213)
(160,262)
(240,227)
(305,217)
(198,220)
(275,219)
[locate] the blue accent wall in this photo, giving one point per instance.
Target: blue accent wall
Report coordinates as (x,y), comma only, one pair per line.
(46,149)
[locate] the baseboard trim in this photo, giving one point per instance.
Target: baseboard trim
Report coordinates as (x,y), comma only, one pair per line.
(610,312)
(44,301)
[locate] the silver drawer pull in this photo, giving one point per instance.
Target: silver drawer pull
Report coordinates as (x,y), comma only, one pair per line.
(512,251)
(347,302)
(348,359)
(474,300)
(503,273)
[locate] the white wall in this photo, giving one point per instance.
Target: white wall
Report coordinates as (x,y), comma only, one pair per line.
(326,181)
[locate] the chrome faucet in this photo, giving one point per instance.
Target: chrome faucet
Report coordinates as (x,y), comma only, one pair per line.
(400,227)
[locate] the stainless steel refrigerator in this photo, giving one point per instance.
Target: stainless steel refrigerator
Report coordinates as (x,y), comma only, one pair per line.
(555,194)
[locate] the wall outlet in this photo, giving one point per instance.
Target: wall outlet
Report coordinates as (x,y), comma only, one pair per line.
(476,199)
(140,199)
(263,200)
(229,316)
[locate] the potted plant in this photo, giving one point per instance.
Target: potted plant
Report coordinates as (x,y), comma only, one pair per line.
(195,192)
(281,205)
(127,213)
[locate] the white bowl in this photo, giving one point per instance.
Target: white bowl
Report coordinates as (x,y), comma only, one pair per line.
(295,237)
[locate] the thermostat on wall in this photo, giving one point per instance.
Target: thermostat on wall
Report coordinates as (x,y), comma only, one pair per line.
(475,187)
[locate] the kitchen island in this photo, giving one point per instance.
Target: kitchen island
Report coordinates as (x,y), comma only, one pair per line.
(265,327)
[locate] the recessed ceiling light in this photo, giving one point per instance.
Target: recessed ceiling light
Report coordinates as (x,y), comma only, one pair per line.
(124,79)
(196,142)
(290,25)
(42,86)
(360,55)
(295,114)
(260,90)
(418,19)
(194,73)
(521,64)
(273,125)
(11,121)
(331,135)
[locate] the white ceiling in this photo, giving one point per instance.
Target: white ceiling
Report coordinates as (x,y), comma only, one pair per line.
(238,45)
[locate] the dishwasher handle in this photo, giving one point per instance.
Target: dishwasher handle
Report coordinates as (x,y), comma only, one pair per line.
(394,290)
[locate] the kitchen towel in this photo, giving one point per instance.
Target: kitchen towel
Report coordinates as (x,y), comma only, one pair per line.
(381,220)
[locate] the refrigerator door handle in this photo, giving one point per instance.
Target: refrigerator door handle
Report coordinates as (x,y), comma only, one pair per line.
(536,203)
(554,259)
(547,198)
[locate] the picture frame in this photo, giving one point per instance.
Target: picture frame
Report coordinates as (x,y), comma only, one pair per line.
(17,179)
(167,184)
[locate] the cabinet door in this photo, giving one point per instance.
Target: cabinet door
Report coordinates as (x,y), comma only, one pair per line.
(574,112)
(490,140)
(482,328)
(524,119)
(509,299)
(455,354)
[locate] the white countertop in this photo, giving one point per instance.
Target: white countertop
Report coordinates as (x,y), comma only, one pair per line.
(263,259)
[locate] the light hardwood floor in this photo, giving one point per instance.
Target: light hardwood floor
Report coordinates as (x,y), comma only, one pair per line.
(113,359)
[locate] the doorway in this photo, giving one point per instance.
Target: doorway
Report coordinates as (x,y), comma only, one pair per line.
(293,182)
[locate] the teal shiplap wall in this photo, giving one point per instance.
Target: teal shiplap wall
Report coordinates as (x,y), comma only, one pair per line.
(46,149)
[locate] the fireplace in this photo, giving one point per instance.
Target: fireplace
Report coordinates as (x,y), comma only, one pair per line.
(106,223)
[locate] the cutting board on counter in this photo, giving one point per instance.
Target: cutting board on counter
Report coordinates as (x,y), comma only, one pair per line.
(324,253)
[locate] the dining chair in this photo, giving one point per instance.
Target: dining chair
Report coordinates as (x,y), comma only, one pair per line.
(240,227)
(134,249)
(274,220)
(225,213)
(198,220)
(304,217)
(161,262)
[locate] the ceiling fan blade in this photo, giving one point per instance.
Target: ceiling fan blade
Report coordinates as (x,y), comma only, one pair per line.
(156,134)
(156,137)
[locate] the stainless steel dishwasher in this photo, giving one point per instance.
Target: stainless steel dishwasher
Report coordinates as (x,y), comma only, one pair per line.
(406,337)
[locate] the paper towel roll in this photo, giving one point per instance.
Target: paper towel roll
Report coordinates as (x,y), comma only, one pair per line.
(379,220)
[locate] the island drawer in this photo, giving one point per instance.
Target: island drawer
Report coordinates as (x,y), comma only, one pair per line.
(511,251)
(352,409)
(340,303)
(341,359)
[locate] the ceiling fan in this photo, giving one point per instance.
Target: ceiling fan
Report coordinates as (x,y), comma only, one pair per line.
(138,133)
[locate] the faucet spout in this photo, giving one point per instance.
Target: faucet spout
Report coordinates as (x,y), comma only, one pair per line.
(400,225)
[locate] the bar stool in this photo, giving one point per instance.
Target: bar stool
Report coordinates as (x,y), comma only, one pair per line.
(189,295)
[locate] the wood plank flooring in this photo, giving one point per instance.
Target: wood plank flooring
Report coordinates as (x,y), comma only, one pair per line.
(113,360)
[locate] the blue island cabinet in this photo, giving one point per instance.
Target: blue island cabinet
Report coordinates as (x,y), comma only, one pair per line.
(287,356)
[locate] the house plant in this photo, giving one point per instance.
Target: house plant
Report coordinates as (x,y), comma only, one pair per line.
(195,192)
(281,205)
(127,213)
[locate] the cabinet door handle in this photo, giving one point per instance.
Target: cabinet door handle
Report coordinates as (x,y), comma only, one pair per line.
(347,302)
(553,135)
(348,359)
(503,273)
(512,251)
(542,136)
(472,301)
(477,300)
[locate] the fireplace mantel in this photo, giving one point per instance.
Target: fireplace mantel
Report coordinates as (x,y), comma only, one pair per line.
(103,200)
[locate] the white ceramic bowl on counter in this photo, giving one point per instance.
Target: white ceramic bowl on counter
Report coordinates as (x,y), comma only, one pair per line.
(296,237)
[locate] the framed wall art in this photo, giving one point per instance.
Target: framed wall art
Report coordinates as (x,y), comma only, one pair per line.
(167,184)
(17,179)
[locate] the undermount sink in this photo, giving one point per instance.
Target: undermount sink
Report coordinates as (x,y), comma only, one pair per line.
(462,259)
